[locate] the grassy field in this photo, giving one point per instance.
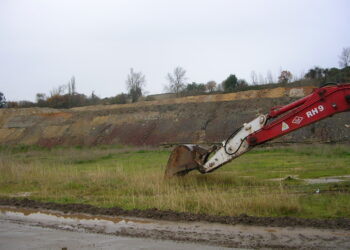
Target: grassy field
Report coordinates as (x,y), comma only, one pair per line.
(263,182)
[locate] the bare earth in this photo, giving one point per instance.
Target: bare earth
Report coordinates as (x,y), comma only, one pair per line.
(193,119)
(39,228)
(19,235)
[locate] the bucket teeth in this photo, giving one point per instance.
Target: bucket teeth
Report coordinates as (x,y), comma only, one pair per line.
(185,158)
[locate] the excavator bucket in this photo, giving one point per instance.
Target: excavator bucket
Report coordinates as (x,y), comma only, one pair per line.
(185,158)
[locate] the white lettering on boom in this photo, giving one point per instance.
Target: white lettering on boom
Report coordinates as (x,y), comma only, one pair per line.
(314,111)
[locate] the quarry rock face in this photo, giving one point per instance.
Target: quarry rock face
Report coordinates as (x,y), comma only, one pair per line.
(196,119)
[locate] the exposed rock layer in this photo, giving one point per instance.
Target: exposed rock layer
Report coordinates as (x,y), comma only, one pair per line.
(198,119)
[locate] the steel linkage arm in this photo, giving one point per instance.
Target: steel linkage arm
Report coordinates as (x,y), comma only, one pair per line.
(321,103)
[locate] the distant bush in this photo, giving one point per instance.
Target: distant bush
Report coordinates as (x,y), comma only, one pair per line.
(329,75)
(285,77)
(230,84)
(149,98)
(21,104)
(193,89)
(121,98)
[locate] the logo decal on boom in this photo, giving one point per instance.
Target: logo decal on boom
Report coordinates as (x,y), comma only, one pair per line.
(297,120)
(284,126)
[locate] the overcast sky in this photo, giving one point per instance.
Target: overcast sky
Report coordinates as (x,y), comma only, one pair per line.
(43,43)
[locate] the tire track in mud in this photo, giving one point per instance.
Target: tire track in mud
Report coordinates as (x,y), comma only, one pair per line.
(168,215)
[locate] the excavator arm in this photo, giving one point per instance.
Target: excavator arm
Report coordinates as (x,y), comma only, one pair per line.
(321,103)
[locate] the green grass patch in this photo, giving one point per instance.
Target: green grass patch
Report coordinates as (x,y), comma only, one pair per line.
(263,182)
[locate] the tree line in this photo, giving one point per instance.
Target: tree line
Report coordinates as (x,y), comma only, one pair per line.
(66,96)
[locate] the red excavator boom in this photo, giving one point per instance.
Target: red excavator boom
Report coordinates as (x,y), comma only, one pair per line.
(321,103)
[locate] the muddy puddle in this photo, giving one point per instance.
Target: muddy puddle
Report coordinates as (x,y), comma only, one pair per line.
(59,216)
(330,179)
(168,215)
(322,180)
(236,236)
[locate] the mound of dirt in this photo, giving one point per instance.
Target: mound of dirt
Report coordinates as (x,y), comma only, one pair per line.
(194,119)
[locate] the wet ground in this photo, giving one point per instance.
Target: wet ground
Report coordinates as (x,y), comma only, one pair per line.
(23,228)
(330,179)
(321,180)
(168,215)
(15,235)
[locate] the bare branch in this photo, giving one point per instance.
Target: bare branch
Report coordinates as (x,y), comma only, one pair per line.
(254,77)
(344,58)
(135,83)
(211,86)
(269,77)
(177,80)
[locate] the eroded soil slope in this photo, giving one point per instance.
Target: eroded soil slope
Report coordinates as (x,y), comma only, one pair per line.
(198,119)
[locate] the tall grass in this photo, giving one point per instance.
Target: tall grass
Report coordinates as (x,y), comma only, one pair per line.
(134,179)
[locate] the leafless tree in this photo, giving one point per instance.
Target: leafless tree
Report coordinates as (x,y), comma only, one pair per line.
(261,79)
(58,91)
(295,78)
(135,83)
(177,80)
(241,83)
(219,87)
(211,86)
(71,86)
(344,58)
(254,77)
(269,77)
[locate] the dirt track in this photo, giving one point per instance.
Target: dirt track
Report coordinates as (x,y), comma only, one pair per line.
(339,223)
(16,235)
(202,235)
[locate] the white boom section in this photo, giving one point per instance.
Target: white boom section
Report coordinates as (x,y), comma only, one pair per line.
(235,146)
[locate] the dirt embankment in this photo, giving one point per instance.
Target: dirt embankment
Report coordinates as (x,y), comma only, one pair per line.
(197,119)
